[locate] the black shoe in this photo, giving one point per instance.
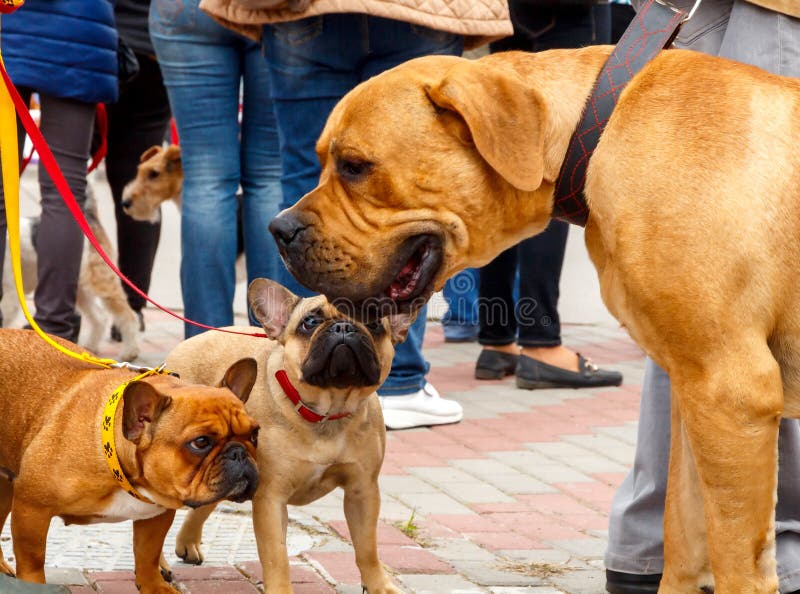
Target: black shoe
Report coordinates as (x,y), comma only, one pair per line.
(116,336)
(533,374)
(494,364)
(631,583)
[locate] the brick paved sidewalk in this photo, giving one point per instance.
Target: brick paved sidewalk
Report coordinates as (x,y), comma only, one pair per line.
(514,499)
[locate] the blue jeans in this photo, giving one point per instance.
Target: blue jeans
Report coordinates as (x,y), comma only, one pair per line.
(313,63)
(205,68)
(461,294)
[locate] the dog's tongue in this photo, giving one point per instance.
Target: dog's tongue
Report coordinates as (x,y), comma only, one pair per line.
(406,281)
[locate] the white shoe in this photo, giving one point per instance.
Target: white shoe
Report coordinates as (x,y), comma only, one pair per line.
(420,409)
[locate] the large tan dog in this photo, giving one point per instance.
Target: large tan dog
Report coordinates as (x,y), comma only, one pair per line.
(335,364)
(695,205)
(177,443)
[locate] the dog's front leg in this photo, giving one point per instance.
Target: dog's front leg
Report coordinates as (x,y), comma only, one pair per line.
(148,542)
(362,505)
(729,416)
(190,536)
(29,526)
(270,521)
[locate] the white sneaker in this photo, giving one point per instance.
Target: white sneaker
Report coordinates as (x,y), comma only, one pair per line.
(420,409)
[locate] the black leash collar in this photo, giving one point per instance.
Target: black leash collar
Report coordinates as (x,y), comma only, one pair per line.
(654,28)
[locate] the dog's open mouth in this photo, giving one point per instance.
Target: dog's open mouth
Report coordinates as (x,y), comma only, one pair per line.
(415,277)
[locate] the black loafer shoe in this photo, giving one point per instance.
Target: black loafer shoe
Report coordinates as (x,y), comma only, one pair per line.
(631,583)
(533,374)
(495,365)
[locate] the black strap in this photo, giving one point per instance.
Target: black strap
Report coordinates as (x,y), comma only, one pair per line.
(653,29)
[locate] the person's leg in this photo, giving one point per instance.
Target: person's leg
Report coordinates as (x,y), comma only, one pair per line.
(460,321)
(411,400)
(636,519)
(135,123)
(312,64)
(26,97)
(67,126)
(497,319)
(202,63)
(261,168)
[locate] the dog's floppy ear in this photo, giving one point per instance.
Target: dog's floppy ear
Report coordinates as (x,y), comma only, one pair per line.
(504,119)
(241,377)
(272,305)
(142,403)
(149,153)
(172,154)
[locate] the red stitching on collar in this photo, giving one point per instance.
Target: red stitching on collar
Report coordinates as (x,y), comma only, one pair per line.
(294,397)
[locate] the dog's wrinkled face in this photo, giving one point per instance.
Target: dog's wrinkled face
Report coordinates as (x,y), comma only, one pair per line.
(324,349)
(159,178)
(196,444)
(408,159)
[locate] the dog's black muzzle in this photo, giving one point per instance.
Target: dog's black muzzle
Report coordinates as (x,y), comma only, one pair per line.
(341,356)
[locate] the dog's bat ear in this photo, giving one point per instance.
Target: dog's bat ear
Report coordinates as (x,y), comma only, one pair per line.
(149,153)
(272,305)
(172,154)
(399,323)
(241,377)
(504,119)
(142,403)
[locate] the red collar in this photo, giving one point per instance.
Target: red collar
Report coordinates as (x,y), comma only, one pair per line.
(294,396)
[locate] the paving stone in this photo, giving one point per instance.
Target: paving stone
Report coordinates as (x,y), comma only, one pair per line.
(489,575)
(438,584)
(433,503)
(589,581)
(476,492)
(588,548)
(66,576)
(460,549)
(531,590)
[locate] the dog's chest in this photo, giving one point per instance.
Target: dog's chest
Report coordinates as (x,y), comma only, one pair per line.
(124,507)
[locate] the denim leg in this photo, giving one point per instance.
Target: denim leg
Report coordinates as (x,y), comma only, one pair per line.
(313,63)
(409,367)
(202,66)
(261,169)
(461,294)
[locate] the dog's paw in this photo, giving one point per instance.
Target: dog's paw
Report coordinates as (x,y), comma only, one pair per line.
(158,588)
(190,552)
(129,354)
(386,587)
(166,570)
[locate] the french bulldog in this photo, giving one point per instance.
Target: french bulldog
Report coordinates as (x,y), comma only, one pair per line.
(314,398)
(176,444)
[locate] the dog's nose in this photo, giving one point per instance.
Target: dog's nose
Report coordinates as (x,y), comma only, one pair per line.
(235,453)
(127,203)
(343,327)
(284,228)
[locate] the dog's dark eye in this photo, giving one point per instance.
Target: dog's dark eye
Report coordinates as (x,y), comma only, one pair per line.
(311,321)
(200,445)
(153,173)
(351,169)
(254,437)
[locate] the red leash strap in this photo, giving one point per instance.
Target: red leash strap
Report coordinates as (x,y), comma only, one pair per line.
(52,168)
(102,128)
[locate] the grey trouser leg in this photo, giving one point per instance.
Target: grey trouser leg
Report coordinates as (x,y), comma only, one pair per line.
(771,41)
(67,126)
(636,522)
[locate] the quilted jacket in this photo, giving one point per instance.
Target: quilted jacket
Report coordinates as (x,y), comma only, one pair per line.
(480,21)
(64,48)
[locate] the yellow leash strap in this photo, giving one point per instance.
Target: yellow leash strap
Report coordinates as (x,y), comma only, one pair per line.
(107,435)
(10,167)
